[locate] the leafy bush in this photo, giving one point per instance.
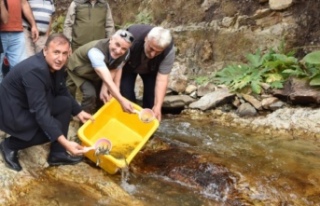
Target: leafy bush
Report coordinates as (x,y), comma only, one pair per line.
(57,24)
(272,68)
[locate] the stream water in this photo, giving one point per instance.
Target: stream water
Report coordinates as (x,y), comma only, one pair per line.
(269,170)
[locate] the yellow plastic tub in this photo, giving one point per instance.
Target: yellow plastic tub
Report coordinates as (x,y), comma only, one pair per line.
(125,131)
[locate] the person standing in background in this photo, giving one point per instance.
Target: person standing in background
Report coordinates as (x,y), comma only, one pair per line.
(12,36)
(42,11)
(88,20)
(3,17)
(4,11)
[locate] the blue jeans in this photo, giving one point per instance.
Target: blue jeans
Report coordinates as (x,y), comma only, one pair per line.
(13,48)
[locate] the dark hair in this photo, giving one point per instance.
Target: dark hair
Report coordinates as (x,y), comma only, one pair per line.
(60,38)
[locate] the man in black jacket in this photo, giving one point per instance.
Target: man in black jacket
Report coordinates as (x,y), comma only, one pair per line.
(35,106)
(151,56)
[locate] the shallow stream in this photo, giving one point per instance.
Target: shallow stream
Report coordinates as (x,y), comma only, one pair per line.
(264,170)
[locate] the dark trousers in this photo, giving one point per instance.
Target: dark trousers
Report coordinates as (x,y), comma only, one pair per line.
(61,111)
(91,96)
(127,87)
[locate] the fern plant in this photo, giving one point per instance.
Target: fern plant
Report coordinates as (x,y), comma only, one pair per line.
(272,68)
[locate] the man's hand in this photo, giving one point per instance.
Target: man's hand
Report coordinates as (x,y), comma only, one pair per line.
(157,113)
(72,147)
(104,94)
(34,33)
(126,106)
(75,149)
(84,116)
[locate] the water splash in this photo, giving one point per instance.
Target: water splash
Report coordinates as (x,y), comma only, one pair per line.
(125,173)
(100,151)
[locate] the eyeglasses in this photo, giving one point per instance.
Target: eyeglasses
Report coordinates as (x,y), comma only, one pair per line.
(127,36)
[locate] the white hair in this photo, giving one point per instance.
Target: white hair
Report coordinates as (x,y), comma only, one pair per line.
(162,36)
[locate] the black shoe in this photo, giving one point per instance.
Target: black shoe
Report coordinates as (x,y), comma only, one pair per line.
(10,157)
(63,158)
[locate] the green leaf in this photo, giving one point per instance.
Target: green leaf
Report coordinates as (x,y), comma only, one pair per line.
(240,83)
(230,73)
(255,86)
(312,58)
(315,81)
(254,59)
(313,71)
(277,84)
(273,77)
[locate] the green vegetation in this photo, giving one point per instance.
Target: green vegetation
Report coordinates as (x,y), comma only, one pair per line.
(57,24)
(273,68)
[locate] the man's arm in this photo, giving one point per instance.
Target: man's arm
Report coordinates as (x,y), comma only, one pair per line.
(69,21)
(162,80)
(27,12)
(117,77)
(160,92)
(97,62)
(109,23)
(4,12)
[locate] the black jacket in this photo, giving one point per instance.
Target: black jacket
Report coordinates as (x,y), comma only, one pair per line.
(26,95)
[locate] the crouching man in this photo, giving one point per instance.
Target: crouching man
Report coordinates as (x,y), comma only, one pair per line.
(35,106)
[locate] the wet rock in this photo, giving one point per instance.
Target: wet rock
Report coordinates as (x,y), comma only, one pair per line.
(276,105)
(190,89)
(246,110)
(253,101)
(206,89)
(213,99)
(190,169)
(298,91)
(93,179)
(266,102)
(177,101)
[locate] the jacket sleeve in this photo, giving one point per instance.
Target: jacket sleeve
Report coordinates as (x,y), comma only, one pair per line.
(37,94)
(63,91)
(109,23)
(69,21)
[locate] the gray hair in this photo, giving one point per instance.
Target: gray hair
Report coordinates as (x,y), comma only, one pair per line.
(162,36)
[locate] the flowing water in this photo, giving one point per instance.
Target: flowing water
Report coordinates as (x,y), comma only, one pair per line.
(256,169)
(270,170)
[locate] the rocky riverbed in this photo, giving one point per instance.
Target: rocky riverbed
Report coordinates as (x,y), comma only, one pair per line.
(287,123)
